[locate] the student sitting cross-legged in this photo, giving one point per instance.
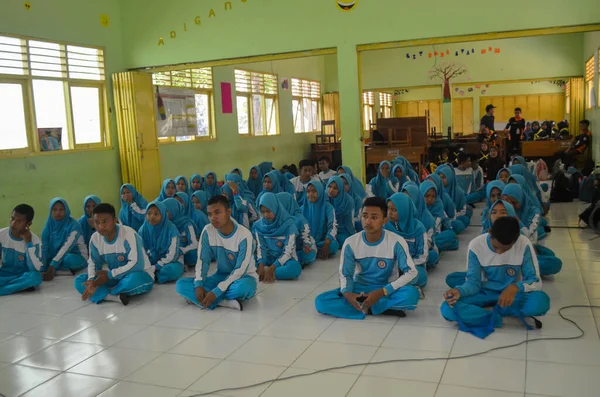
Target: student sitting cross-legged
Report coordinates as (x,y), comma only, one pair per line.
(306,247)
(188,243)
(87,219)
(343,205)
(161,243)
(63,247)
(232,247)
(502,271)
(321,219)
(276,234)
(424,216)
(120,248)
(20,253)
(444,237)
(376,271)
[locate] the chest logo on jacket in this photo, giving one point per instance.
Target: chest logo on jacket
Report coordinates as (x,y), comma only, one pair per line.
(120,258)
(381,264)
(510,271)
(230,257)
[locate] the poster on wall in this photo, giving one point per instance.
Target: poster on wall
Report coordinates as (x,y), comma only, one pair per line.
(50,139)
(175,112)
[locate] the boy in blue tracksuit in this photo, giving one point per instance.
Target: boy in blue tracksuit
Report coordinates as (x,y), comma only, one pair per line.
(502,271)
(307,174)
(375,271)
(276,234)
(321,220)
(478,186)
(232,247)
(464,173)
(20,253)
(119,248)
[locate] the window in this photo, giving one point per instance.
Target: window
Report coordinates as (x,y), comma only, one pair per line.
(368,99)
(201,82)
(256,100)
(306,105)
(386,101)
(589,83)
(55,95)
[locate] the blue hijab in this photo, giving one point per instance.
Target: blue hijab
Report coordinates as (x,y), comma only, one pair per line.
(214,189)
(503,169)
(527,210)
(357,200)
(189,210)
(520,159)
(403,179)
(157,239)
(407,225)
(422,212)
(408,168)
(290,204)
(520,179)
(242,187)
(357,185)
(187,185)
(286,185)
(282,225)
(255,185)
(455,192)
(530,178)
(343,205)
(448,205)
(274,176)
(201,196)
(265,167)
(55,233)
(485,221)
(200,179)
(235,212)
(379,184)
(163,190)
(125,213)
(86,229)
(316,213)
(289,176)
(178,217)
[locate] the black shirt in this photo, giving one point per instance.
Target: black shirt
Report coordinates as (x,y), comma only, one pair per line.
(488,121)
(515,125)
(493,167)
(581,141)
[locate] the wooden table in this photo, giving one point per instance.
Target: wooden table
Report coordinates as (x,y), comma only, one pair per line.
(543,148)
(414,154)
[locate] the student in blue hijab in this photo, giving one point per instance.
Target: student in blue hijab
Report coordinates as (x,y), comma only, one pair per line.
(306,247)
(286,185)
(276,235)
(532,185)
(321,219)
(211,185)
(344,208)
(242,209)
(444,237)
(398,178)
(196,183)
(357,185)
(254,181)
(188,242)
(182,185)
(200,201)
(265,167)
(529,217)
(133,207)
(270,183)
(493,192)
(378,186)
(190,211)
(349,188)
(408,169)
(503,175)
(87,219)
(161,242)
(167,190)
(63,246)
(236,177)
(446,174)
(424,216)
(402,220)
(449,207)
(522,181)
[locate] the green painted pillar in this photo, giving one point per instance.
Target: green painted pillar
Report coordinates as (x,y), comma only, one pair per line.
(352,144)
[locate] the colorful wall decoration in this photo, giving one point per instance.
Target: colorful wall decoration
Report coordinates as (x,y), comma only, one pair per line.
(445,72)
(347,5)
(448,53)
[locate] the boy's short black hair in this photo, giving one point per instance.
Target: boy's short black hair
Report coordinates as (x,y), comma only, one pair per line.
(376,202)
(518,110)
(105,208)
(506,230)
(495,147)
(306,163)
(218,199)
(25,210)
(585,121)
(324,158)
(462,157)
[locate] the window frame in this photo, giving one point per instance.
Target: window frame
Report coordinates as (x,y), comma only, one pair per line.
(589,84)
(212,128)
(311,99)
(389,108)
(26,80)
(264,96)
(368,106)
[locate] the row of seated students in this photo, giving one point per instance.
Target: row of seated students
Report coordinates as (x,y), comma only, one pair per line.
(382,269)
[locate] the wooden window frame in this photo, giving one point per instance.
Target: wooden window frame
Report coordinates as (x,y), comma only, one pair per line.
(264,96)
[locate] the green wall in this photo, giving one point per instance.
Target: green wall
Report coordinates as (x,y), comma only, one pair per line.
(591,46)
(37,179)
(230,149)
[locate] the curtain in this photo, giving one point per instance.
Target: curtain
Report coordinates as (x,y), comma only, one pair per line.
(331,110)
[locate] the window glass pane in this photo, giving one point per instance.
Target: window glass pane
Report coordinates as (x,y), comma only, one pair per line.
(49,102)
(85,102)
(12,56)
(242,113)
(183,138)
(296,111)
(315,116)
(202,114)
(13,132)
(271,116)
(307,117)
(257,115)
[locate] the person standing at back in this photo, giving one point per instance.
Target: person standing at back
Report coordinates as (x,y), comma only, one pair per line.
(515,127)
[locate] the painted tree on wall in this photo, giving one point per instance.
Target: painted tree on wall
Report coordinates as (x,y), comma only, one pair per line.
(446,71)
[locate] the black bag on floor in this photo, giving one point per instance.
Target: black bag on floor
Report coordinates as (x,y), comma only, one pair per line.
(561,192)
(587,189)
(574,183)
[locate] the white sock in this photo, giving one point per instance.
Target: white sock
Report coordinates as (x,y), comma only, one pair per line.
(230,303)
(112,298)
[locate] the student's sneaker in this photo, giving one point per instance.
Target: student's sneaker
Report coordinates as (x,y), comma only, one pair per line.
(395,312)
(30,289)
(232,304)
(189,302)
(124,298)
(155,278)
(538,323)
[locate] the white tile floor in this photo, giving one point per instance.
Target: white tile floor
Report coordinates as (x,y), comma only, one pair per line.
(53,344)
